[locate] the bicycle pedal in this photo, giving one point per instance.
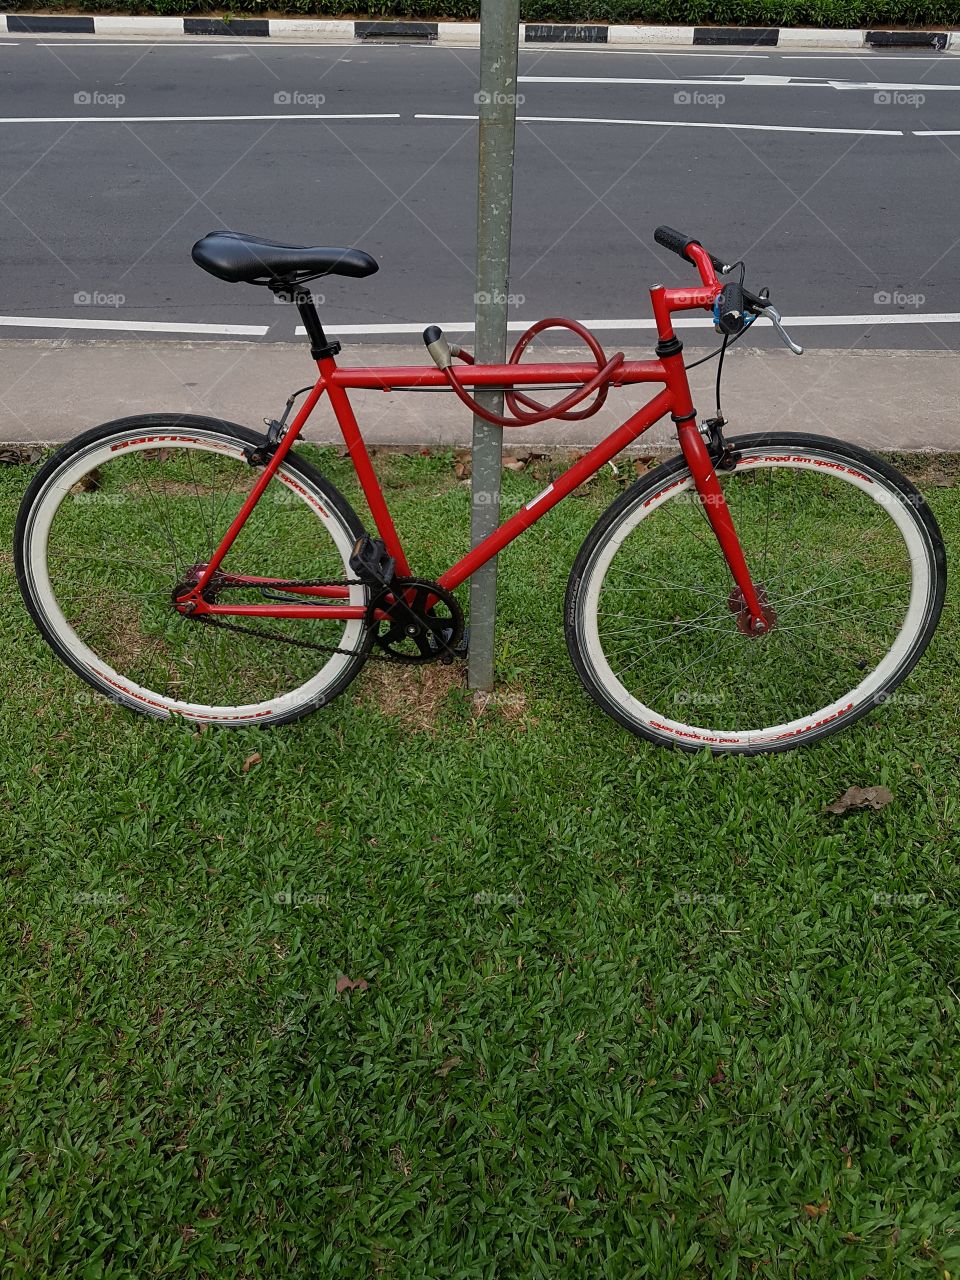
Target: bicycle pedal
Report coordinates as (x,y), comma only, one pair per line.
(458,652)
(371,561)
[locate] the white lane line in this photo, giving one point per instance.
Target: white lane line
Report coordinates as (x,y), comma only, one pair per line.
(315,115)
(204,42)
(865,56)
(684,124)
(936,133)
(131,326)
(686,322)
(751,82)
(165,42)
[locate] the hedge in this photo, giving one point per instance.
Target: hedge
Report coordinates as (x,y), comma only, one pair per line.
(759,13)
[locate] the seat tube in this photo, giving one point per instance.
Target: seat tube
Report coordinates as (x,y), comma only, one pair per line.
(325,352)
(357,449)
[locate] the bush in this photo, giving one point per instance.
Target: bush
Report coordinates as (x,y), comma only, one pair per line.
(758,13)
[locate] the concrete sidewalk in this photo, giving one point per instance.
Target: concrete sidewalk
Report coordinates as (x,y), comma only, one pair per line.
(51,390)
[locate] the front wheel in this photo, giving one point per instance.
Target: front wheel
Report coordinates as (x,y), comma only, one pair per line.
(116,522)
(846,557)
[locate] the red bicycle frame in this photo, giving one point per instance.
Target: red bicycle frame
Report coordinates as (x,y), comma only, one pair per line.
(667,368)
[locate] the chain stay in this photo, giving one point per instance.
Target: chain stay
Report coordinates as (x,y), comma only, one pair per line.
(449,648)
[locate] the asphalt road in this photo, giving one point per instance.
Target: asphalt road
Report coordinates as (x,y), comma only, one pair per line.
(835,176)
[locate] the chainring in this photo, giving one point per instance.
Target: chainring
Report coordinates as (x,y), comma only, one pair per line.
(413,631)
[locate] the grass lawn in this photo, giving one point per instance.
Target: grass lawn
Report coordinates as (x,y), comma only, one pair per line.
(624,1012)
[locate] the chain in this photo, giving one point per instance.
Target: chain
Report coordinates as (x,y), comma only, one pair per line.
(259,634)
(275,635)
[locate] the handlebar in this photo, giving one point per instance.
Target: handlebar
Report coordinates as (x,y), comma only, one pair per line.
(680,244)
(734,299)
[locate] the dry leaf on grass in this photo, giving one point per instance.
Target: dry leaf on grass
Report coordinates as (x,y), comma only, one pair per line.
(19,457)
(514,464)
(817,1210)
(251,761)
(861,798)
(350,984)
(447,1067)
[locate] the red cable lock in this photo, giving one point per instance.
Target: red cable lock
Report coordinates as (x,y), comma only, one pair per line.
(562,410)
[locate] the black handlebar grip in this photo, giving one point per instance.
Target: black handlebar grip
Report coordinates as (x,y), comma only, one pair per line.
(730,311)
(675,241)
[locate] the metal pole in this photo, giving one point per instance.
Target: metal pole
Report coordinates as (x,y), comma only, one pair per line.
(497,103)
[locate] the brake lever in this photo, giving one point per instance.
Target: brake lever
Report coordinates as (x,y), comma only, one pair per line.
(773,315)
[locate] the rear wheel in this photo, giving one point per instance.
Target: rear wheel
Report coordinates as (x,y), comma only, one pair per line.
(847,559)
(124,514)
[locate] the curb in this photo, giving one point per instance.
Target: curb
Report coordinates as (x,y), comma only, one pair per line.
(467,34)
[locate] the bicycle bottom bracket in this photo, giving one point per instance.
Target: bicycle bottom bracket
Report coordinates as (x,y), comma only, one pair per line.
(416,621)
(744,619)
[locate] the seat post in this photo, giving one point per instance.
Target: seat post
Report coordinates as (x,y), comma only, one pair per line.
(320,347)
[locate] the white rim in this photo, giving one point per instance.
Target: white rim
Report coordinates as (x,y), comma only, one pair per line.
(760,458)
(113,683)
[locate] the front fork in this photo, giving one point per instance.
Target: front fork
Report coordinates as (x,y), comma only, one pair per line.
(745,598)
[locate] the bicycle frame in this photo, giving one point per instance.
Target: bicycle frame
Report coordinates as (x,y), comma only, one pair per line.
(335,382)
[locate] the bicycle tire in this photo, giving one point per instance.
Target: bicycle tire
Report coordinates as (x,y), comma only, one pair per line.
(151,436)
(821,461)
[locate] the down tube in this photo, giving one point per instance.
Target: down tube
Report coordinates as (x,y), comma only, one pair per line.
(588,465)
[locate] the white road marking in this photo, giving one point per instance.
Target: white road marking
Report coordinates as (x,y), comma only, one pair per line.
(204,42)
(865,56)
(936,133)
(684,124)
(131,326)
(687,322)
(316,115)
(751,82)
(165,42)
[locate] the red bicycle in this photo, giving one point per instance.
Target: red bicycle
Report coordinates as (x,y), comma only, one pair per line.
(751,594)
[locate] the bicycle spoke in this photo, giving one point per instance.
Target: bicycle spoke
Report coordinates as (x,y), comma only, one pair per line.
(114,563)
(828,563)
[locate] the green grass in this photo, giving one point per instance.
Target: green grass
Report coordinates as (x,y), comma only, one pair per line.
(629,1012)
